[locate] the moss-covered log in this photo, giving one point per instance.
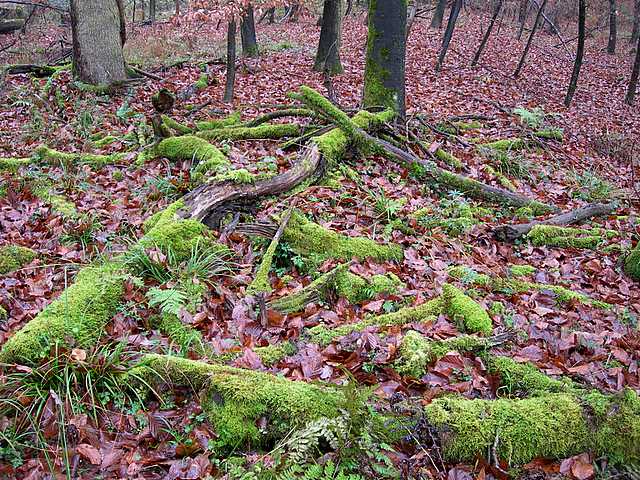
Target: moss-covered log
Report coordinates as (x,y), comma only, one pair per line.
(518,143)
(14,257)
(632,263)
(236,399)
(14,164)
(271,131)
(46,154)
(230,121)
(567,237)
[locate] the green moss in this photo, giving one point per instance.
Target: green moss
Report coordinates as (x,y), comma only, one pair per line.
(229,121)
(236,399)
(449,159)
(632,263)
(177,126)
(76,318)
(261,283)
(505,145)
(14,257)
(468,275)
(457,305)
(240,175)
(550,134)
(427,311)
(416,352)
(524,378)
(504,180)
(357,289)
(187,337)
(13,164)
(522,270)
(312,240)
(376,94)
(272,354)
(105,141)
(59,203)
(266,131)
(566,237)
(47,154)
(202,82)
(3,313)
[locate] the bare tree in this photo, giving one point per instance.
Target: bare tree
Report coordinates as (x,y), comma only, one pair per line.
(582,15)
(446,40)
(633,83)
(248,33)
(231,61)
(613,27)
(487,34)
(516,74)
(438,15)
(635,33)
(328,54)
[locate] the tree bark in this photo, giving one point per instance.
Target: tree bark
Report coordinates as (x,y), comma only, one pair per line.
(152,11)
(248,34)
(582,15)
(438,15)
(511,233)
(328,55)
(9,26)
(522,16)
(530,40)
(384,76)
(98,36)
(451,25)
(635,33)
(633,83)
(613,27)
(231,62)
(487,34)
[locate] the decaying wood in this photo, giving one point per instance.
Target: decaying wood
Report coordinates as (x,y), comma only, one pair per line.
(511,233)
(9,26)
(39,71)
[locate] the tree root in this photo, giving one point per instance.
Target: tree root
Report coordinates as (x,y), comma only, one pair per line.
(273,132)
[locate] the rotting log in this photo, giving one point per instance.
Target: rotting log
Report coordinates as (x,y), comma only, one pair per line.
(39,71)
(511,233)
(10,26)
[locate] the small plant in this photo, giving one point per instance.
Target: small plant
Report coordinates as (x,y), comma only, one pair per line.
(169,301)
(384,206)
(592,187)
(81,230)
(531,118)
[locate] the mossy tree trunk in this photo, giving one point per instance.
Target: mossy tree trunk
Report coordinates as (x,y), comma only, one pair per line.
(248,34)
(152,11)
(328,55)
(582,15)
(613,27)
(384,76)
(438,15)
(231,62)
(98,36)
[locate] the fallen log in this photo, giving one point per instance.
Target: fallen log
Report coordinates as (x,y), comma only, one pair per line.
(511,233)
(40,71)
(10,26)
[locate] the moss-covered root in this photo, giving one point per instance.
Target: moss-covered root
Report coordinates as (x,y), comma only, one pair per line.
(416,352)
(59,203)
(552,426)
(511,144)
(632,263)
(342,282)
(567,237)
(13,164)
(176,126)
(319,244)
(76,318)
(231,120)
(209,159)
(457,305)
(236,399)
(323,335)
(14,257)
(46,154)
(266,132)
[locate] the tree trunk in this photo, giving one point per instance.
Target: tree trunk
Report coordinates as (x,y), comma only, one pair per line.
(530,40)
(522,16)
(613,27)
(248,34)
(582,15)
(328,55)
(451,25)
(152,11)
(177,8)
(487,34)
(98,35)
(633,83)
(231,62)
(438,15)
(384,76)
(635,34)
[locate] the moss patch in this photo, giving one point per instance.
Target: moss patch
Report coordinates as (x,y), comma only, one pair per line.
(566,237)
(229,121)
(47,154)
(457,305)
(275,131)
(632,264)
(13,164)
(14,257)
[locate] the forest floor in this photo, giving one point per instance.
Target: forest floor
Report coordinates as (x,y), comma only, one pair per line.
(595,347)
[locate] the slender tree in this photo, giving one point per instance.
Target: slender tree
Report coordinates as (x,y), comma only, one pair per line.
(384,76)
(98,32)
(446,40)
(582,16)
(487,34)
(152,11)
(522,16)
(328,55)
(248,34)
(516,74)
(613,27)
(633,83)
(635,33)
(438,15)
(231,61)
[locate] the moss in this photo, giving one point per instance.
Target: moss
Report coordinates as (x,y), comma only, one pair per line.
(522,270)
(59,203)
(13,164)
(504,181)
(47,154)
(449,159)
(105,141)
(468,275)
(550,134)
(497,308)
(506,144)
(357,289)
(177,126)
(267,131)
(261,283)
(187,337)
(322,335)
(76,318)
(632,263)
(376,94)
(229,121)
(312,240)
(551,426)
(236,399)
(551,235)
(3,313)
(14,257)
(524,378)
(416,352)
(240,175)
(272,354)
(457,305)
(202,82)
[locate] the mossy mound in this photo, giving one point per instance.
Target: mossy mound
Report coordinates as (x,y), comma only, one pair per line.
(632,264)
(209,159)
(76,318)
(14,257)
(236,399)
(231,120)
(13,164)
(457,305)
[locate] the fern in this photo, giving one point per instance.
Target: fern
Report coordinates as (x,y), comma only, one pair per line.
(531,118)
(169,301)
